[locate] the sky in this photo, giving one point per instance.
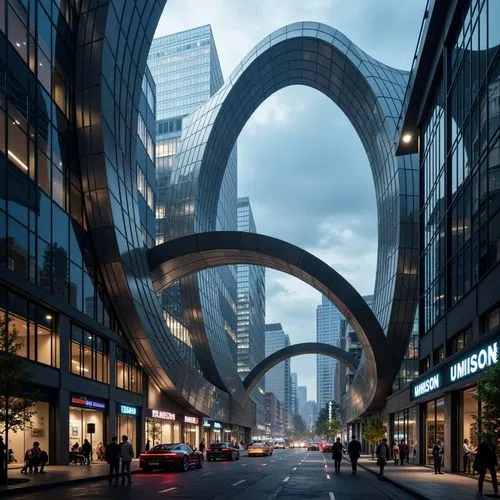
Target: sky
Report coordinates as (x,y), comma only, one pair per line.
(299,158)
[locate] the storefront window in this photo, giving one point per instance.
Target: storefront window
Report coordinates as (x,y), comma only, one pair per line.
(470,409)
(162,431)
(88,354)
(405,427)
(434,427)
(127,426)
(191,431)
(128,371)
(79,420)
(37,430)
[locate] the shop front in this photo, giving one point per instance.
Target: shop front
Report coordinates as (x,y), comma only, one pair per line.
(127,422)
(87,420)
(212,431)
(404,426)
(191,430)
(162,426)
(447,406)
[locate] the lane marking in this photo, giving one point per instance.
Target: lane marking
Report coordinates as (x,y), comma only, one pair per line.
(328,476)
(244,465)
(286,479)
(295,468)
(331,495)
(168,489)
(263,465)
(239,482)
(207,473)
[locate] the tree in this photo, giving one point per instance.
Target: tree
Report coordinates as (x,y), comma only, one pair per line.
(488,392)
(17,406)
(329,421)
(299,425)
(373,431)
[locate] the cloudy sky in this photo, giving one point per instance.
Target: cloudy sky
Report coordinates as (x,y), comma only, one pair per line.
(299,158)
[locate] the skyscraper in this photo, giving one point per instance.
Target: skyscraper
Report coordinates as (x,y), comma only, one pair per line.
(278,380)
(293,395)
(251,311)
(301,399)
(328,319)
(187,72)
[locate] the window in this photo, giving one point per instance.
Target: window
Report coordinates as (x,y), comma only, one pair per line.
(460,340)
(425,364)
(128,371)
(490,321)
(88,355)
(438,355)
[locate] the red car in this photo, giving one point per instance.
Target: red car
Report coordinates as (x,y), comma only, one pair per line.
(167,456)
(327,447)
(222,450)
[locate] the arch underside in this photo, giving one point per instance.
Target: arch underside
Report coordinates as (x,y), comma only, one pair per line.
(291,351)
(173,260)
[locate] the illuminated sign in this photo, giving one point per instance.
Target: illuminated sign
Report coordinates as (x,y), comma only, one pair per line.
(428,385)
(162,414)
(128,410)
(217,425)
(465,365)
(84,402)
(206,422)
(191,420)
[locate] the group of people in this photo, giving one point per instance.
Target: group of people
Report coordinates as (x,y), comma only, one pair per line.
(81,454)
(115,454)
(400,452)
(35,459)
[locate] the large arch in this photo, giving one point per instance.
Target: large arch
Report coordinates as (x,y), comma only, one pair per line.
(291,351)
(371,95)
(176,259)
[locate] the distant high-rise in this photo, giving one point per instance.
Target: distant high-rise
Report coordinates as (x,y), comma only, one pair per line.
(187,72)
(301,399)
(310,414)
(293,395)
(251,312)
(278,380)
(328,319)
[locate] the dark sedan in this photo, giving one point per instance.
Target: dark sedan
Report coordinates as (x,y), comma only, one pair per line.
(167,456)
(313,446)
(222,450)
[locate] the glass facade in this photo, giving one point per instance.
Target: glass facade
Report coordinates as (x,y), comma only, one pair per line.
(187,72)
(251,308)
(89,355)
(128,371)
(410,366)
(405,427)
(460,160)
(434,428)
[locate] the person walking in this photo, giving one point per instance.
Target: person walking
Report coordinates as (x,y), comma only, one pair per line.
(467,456)
(86,451)
(395,453)
(337,454)
(486,459)
(148,445)
(383,454)
(354,451)
(437,454)
(112,457)
(126,454)
(403,452)
(202,446)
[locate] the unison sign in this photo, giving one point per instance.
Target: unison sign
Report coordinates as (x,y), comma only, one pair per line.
(474,360)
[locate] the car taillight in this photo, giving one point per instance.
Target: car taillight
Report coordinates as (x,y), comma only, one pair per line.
(209,449)
(171,454)
(225,449)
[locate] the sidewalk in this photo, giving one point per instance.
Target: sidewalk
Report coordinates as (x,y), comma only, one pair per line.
(423,483)
(57,475)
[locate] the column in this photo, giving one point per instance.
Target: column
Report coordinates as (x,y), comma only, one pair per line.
(451,434)
(61,437)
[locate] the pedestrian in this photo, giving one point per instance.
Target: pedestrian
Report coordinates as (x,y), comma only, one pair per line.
(395,453)
(112,457)
(2,459)
(44,458)
(99,451)
(202,446)
(383,455)
(32,459)
(467,457)
(148,445)
(12,457)
(126,454)
(337,454)
(437,454)
(403,452)
(86,451)
(354,451)
(486,459)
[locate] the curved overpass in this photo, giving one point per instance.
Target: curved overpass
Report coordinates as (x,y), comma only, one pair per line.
(277,357)
(175,259)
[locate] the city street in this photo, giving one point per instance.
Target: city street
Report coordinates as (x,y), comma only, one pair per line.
(287,474)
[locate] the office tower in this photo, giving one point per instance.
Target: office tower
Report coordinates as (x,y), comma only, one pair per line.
(187,72)
(293,394)
(278,378)
(251,312)
(310,414)
(301,399)
(327,332)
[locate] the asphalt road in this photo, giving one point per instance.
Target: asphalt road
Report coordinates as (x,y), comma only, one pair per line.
(287,474)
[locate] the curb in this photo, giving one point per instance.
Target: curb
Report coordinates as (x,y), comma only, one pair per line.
(411,491)
(48,486)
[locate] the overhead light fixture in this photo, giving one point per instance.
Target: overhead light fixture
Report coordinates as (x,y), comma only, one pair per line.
(48,317)
(407,138)
(17,160)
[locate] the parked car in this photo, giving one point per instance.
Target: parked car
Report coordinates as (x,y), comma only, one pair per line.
(222,450)
(313,446)
(167,456)
(262,448)
(327,447)
(279,445)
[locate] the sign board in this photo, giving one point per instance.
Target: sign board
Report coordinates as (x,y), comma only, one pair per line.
(87,402)
(90,428)
(128,410)
(466,365)
(217,425)
(191,420)
(161,414)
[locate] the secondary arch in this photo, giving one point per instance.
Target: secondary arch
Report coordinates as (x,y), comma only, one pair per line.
(291,351)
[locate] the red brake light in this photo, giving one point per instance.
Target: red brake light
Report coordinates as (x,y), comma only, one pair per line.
(225,449)
(209,449)
(171,454)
